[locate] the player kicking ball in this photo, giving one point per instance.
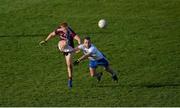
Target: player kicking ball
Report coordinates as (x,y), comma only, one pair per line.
(65,45)
(96,58)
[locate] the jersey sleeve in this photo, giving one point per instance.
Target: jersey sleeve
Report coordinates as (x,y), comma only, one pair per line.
(59,33)
(56,31)
(92,50)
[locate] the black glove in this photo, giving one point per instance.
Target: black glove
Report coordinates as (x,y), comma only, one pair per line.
(76,63)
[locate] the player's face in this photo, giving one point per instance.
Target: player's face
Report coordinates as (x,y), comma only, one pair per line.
(64,29)
(87,43)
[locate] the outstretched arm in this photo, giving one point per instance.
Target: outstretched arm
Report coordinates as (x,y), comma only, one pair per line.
(84,57)
(51,35)
(81,58)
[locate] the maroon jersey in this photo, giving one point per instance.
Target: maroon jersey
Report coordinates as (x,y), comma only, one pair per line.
(69,36)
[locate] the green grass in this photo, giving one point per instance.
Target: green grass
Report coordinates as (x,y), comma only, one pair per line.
(142,42)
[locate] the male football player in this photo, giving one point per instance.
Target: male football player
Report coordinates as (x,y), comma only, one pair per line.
(66,44)
(96,58)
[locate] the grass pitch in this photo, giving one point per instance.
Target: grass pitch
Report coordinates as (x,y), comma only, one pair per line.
(142,42)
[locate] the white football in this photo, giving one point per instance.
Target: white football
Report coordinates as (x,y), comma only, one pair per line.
(102,23)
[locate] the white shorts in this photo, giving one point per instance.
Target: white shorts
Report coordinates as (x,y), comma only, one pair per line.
(67,48)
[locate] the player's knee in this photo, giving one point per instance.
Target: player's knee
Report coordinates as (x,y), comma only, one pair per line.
(107,69)
(92,74)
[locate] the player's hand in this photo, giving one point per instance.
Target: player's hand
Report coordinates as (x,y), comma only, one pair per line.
(76,63)
(42,42)
(77,51)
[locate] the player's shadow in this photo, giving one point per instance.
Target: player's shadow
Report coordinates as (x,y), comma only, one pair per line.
(158,85)
(152,85)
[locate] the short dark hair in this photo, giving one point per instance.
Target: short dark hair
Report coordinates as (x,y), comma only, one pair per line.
(87,38)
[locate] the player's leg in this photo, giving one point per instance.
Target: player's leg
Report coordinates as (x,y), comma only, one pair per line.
(93,73)
(61,45)
(103,62)
(92,70)
(64,47)
(112,72)
(69,68)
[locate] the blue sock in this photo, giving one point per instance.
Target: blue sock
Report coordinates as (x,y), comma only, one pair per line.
(70,83)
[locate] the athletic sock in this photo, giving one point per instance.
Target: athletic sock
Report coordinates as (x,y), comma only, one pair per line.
(70,83)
